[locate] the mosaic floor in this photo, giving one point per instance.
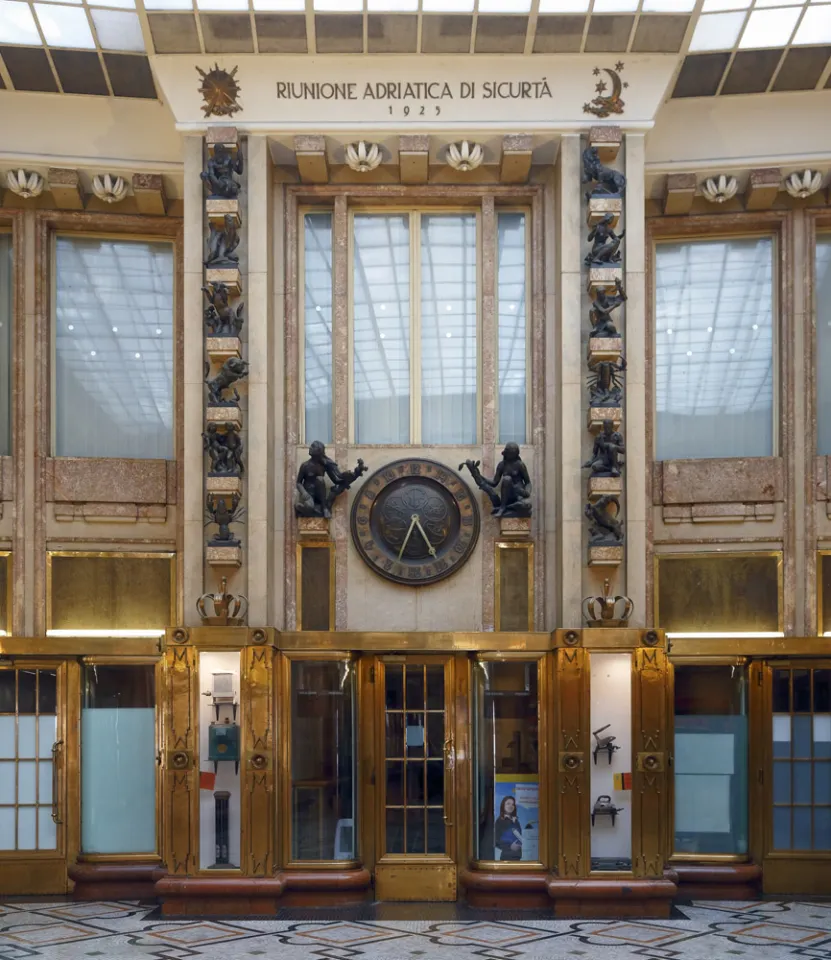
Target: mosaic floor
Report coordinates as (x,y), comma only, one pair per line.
(699,931)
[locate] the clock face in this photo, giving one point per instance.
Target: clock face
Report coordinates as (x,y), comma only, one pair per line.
(415,522)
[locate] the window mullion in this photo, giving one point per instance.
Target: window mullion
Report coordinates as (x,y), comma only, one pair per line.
(415,327)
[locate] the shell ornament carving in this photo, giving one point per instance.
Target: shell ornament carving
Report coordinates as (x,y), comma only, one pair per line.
(719,190)
(465,156)
(220,91)
(363,157)
(24,184)
(109,189)
(803,185)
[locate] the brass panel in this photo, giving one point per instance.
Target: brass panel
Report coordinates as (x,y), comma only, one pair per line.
(708,593)
(698,647)
(514,578)
(181,848)
(316,581)
(807,876)
(572,726)
(427,642)
(80,647)
(650,806)
(220,638)
(5,591)
(110,590)
(258,764)
(36,877)
(415,881)
(609,638)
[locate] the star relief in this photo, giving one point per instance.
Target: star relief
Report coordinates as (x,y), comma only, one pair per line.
(619,66)
(600,86)
(625,84)
(596,71)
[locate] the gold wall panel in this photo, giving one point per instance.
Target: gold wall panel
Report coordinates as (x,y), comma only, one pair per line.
(103,591)
(316,586)
(258,761)
(5,591)
(514,574)
(181,776)
(730,592)
(650,806)
(572,728)
(415,882)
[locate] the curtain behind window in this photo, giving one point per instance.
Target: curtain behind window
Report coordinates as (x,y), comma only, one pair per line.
(714,348)
(113,348)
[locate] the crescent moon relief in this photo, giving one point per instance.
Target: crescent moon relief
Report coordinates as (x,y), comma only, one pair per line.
(604,105)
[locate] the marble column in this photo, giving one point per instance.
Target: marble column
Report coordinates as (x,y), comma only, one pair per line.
(634,417)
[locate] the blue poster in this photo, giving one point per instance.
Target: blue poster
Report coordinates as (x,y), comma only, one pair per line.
(516,801)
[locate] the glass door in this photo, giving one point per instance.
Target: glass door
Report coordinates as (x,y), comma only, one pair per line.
(415,830)
(32,779)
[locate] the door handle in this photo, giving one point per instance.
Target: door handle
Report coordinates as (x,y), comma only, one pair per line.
(449,765)
(56,749)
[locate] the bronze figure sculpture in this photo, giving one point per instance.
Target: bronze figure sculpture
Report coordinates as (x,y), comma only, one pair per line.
(222,244)
(225,451)
(223,514)
(312,499)
(230,372)
(510,490)
(606,382)
(607,182)
(605,528)
(607,455)
(218,175)
(600,312)
(221,319)
(605,243)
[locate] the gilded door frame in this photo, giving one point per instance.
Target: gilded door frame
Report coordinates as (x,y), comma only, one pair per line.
(432,876)
(40,872)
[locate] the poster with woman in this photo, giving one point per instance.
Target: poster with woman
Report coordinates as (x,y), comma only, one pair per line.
(516,802)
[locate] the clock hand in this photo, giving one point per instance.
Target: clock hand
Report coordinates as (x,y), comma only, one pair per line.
(430,548)
(413,521)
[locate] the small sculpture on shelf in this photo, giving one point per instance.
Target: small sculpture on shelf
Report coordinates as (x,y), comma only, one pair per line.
(227,610)
(233,370)
(606,182)
(604,611)
(218,175)
(312,499)
(601,309)
(225,450)
(607,454)
(606,382)
(605,243)
(603,807)
(510,490)
(222,244)
(606,743)
(223,511)
(221,319)
(605,528)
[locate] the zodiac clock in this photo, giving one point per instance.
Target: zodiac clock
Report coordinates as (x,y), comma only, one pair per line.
(415,522)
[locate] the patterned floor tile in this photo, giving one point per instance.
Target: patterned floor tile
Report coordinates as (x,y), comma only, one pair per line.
(781,933)
(43,934)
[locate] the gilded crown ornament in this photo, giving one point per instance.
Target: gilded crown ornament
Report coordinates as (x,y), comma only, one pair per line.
(606,610)
(222,609)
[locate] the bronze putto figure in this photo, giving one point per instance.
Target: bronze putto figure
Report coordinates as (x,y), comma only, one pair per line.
(510,489)
(222,244)
(605,243)
(225,451)
(607,455)
(218,175)
(312,498)
(600,313)
(221,320)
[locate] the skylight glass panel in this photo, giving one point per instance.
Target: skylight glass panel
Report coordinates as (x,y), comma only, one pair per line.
(668,6)
(78,2)
(124,4)
(769,28)
(615,6)
(779,3)
(224,5)
(716,31)
(504,6)
(118,30)
(714,6)
(815,26)
(168,4)
(563,6)
(279,5)
(392,6)
(65,26)
(447,6)
(338,6)
(17,25)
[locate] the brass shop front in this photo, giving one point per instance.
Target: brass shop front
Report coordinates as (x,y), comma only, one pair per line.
(236,770)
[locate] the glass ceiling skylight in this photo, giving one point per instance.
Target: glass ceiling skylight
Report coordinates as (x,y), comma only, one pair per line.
(72,24)
(763,24)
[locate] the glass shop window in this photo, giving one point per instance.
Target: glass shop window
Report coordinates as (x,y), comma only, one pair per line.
(220,790)
(323,786)
(611,768)
(801,699)
(822,300)
(713,594)
(118,759)
(29,808)
(506,786)
(6,306)
(710,760)
(512,301)
(317,324)
(113,375)
(714,348)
